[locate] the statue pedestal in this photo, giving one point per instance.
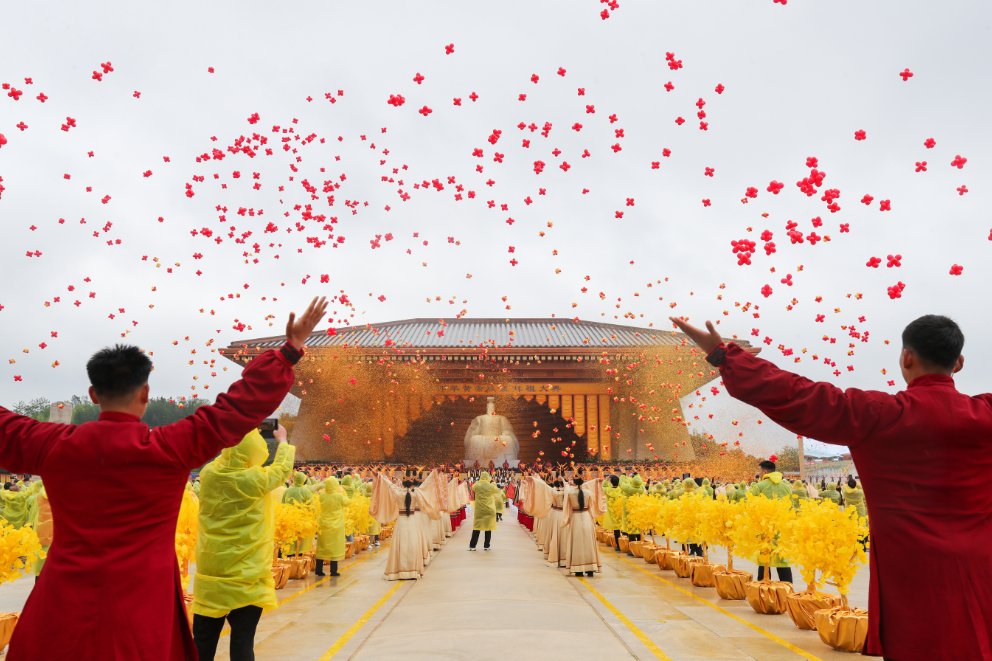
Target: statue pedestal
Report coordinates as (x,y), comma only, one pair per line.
(499,464)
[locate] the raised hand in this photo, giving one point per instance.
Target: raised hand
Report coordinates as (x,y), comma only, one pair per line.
(705,341)
(298,330)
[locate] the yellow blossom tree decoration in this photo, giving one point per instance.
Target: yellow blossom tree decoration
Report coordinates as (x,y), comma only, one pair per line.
(717,519)
(664,519)
(186,532)
(846,554)
(756,534)
(18,547)
(687,520)
(294,523)
(756,530)
(641,512)
(843,627)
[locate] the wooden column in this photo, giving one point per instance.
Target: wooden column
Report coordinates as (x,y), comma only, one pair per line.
(554,402)
(566,407)
(579,406)
(605,442)
(592,420)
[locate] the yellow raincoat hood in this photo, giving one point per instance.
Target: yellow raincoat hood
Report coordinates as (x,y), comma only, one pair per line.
(251,451)
(299,479)
(775,477)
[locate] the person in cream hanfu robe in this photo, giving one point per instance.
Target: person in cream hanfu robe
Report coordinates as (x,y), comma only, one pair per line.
(583,504)
(391,502)
(547,505)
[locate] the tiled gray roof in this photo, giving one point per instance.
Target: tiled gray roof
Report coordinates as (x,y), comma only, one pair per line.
(467,332)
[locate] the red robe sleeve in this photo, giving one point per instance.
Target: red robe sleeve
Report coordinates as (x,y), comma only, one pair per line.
(25,441)
(199,438)
(815,409)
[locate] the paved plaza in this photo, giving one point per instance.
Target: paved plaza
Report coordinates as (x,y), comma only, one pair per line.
(508,603)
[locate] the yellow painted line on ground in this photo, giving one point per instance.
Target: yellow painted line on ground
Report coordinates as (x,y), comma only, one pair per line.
(227,629)
(630,625)
(336,647)
(768,634)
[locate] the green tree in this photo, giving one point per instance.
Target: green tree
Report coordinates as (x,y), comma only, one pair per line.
(38,408)
(164,411)
(788,459)
(84,410)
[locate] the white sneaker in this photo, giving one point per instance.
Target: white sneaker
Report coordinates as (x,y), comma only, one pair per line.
(471,549)
(487,549)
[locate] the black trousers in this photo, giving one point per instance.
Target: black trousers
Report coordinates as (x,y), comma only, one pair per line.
(475,539)
(784,573)
(206,633)
(616,536)
(334,567)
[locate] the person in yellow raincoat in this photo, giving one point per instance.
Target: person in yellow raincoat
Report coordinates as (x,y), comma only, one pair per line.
(330,537)
(611,487)
(16,510)
(633,487)
(299,493)
(43,525)
(375,528)
(235,548)
(488,501)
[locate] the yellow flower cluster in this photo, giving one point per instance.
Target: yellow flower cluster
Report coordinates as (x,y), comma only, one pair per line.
(756,529)
(356,515)
(826,538)
(664,517)
(17,549)
(717,520)
(641,512)
(296,522)
(186,532)
(688,517)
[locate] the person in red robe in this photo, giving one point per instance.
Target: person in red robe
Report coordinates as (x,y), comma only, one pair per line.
(924,459)
(111,588)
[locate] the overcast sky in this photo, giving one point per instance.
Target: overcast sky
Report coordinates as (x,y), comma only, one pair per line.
(798,81)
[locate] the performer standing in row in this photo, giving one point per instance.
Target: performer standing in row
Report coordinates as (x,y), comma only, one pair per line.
(583,505)
(488,501)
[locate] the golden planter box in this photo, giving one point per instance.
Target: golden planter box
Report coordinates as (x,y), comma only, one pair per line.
(803,607)
(730,584)
(768,597)
(635,548)
(701,574)
(280,574)
(299,567)
(665,558)
(844,629)
(683,565)
(349,550)
(9,620)
(624,544)
(648,551)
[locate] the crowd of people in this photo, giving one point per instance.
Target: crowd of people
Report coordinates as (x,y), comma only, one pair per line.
(113,491)
(548,507)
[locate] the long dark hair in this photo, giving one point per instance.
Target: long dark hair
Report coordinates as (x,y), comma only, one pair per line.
(409,496)
(582,499)
(851,483)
